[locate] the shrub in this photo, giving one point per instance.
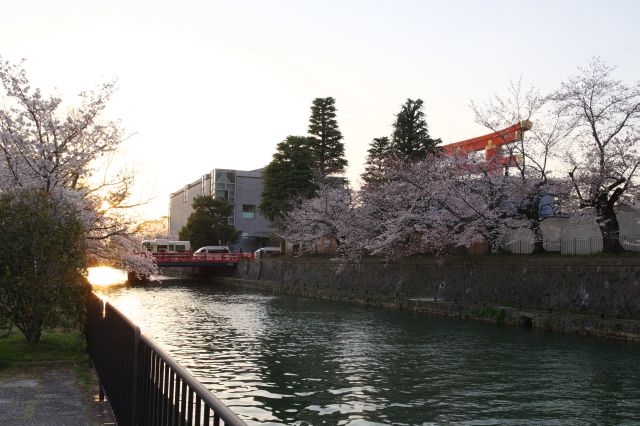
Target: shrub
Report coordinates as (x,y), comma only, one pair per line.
(42,259)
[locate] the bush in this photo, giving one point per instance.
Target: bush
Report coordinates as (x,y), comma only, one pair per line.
(42,258)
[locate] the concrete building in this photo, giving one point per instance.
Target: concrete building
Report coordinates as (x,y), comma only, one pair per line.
(242,189)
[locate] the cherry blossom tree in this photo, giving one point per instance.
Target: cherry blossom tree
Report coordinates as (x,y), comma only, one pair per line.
(312,219)
(399,215)
(439,202)
(50,147)
(454,201)
(423,207)
(155,229)
(534,152)
(605,145)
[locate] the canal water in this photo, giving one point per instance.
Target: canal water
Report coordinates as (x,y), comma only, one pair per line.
(276,359)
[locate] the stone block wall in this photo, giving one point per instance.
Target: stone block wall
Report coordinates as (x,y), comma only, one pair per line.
(601,286)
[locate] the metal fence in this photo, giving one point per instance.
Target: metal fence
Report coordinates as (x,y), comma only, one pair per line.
(631,243)
(572,246)
(143,384)
(581,246)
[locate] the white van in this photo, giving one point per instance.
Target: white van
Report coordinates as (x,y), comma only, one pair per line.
(202,251)
(267,252)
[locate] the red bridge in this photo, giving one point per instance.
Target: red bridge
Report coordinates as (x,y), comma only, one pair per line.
(205,259)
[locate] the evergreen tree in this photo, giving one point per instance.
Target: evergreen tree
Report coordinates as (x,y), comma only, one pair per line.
(207,225)
(410,138)
(289,176)
(379,152)
(326,141)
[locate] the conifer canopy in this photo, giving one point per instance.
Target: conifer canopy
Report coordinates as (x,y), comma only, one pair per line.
(326,139)
(410,140)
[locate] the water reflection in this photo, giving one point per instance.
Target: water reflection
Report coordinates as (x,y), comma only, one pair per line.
(288,360)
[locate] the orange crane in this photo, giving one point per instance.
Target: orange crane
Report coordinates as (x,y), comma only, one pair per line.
(491,144)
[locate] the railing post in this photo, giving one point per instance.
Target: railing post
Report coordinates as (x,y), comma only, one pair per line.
(100,353)
(135,380)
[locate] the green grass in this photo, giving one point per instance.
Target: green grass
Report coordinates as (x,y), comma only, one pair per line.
(53,346)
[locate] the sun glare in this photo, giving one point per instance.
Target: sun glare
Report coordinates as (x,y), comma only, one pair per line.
(106,276)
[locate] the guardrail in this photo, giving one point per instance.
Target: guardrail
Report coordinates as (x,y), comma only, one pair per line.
(143,384)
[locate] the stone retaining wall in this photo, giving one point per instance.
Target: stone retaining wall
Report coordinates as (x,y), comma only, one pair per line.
(588,295)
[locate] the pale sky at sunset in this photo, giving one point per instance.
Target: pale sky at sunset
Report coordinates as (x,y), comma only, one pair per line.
(217,84)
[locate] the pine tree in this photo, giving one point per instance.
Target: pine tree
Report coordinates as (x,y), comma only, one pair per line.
(410,139)
(326,140)
(379,152)
(288,177)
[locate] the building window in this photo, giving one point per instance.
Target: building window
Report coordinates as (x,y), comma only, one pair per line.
(248,211)
(223,185)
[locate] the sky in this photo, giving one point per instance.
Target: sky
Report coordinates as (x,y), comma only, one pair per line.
(218,84)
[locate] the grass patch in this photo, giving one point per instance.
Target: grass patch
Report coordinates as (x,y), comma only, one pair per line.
(53,346)
(487,312)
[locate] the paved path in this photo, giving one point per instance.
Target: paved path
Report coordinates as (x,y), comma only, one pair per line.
(49,395)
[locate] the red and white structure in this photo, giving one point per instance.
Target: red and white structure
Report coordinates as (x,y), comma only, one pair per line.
(491,144)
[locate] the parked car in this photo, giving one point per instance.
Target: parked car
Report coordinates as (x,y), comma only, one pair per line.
(202,251)
(267,252)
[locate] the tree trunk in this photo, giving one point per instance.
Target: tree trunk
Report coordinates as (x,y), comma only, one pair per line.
(31,329)
(538,237)
(34,334)
(493,240)
(610,228)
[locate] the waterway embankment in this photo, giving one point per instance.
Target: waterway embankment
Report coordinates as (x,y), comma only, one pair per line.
(586,295)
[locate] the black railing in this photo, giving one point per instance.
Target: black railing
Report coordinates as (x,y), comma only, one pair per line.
(143,384)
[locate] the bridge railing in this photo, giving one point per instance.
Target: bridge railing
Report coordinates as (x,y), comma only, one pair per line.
(144,384)
(203,257)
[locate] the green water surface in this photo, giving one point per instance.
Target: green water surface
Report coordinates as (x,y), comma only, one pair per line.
(277,359)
